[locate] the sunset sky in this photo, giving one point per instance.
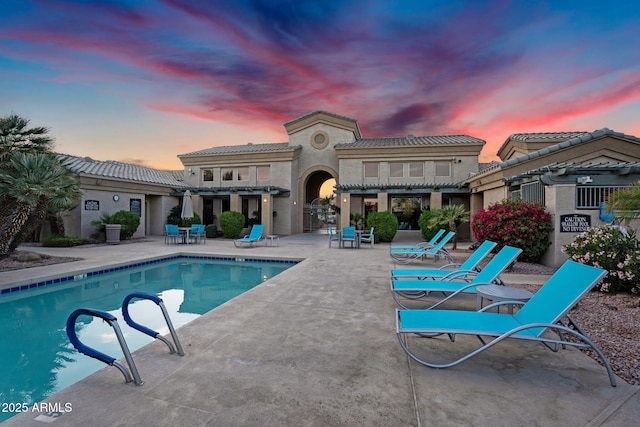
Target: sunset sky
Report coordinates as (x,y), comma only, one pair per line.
(142,81)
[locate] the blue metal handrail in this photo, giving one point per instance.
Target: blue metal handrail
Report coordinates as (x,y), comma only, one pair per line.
(91,352)
(127,318)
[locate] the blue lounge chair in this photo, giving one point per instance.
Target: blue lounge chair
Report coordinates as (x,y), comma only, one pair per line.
(468,268)
(253,238)
(405,256)
(431,243)
(543,312)
(415,289)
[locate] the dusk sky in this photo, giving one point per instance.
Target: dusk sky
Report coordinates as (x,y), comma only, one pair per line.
(142,81)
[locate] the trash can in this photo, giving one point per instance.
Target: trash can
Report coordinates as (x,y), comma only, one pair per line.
(113,233)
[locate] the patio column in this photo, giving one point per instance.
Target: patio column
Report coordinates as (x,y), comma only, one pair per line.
(436,200)
(345,210)
(234,203)
(383,202)
(267,213)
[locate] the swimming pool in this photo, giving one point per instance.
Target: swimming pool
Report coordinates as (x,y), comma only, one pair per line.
(35,353)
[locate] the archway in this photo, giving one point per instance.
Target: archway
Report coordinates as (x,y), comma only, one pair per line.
(316,212)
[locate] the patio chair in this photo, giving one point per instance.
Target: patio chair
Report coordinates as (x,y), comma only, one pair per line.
(333,236)
(253,238)
(416,289)
(543,312)
(348,235)
(171,233)
(467,268)
(405,256)
(197,233)
(368,238)
(431,243)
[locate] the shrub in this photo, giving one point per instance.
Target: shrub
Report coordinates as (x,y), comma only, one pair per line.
(128,220)
(612,250)
(231,223)
(211,231)
(175,218)
(385,223)
(55,241)
(427,230)
(520,224)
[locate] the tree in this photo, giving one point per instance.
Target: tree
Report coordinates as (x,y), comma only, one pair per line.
(626,203)
(33,182)
(450,216)
(16,136)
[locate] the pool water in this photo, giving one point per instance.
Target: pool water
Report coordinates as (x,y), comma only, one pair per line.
(35,354)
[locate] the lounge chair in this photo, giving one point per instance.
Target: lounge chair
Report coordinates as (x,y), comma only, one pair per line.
(405,256)
(415,289)
(253,238)
(431,243)
(543,312)
(369,237)
(348,235)
(467,268)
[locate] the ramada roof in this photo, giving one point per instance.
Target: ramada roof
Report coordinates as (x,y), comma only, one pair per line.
(411,140)
(118,170)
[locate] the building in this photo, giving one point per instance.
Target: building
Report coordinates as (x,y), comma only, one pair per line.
(279,184)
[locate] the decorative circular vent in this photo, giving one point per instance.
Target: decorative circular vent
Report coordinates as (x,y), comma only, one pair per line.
(319,140)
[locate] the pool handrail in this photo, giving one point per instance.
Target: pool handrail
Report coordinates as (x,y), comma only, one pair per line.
(91,352)
(153,334)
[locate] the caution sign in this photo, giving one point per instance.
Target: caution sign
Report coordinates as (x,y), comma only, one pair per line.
(574,223)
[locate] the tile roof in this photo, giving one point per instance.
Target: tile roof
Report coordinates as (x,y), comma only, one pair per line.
(582,137)
(411,140)
(119,170)
(339,116)
(246,148)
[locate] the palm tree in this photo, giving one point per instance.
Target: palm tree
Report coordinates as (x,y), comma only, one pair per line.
(450,216)
(626,203)
(34,182)
(16,136)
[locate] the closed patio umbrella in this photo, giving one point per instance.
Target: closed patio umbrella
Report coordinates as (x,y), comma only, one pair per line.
(187,205)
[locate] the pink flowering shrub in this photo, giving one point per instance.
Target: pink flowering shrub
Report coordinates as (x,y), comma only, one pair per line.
(608,248)
(520,224)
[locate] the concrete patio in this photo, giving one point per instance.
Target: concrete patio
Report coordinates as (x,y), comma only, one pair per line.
(316,346)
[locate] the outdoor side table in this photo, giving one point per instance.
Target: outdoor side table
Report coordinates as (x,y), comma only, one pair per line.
(497,293)
(272,240)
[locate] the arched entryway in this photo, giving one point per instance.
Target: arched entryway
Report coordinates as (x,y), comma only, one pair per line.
(316,213)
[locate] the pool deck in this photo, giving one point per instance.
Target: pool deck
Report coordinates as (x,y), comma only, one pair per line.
(316,346)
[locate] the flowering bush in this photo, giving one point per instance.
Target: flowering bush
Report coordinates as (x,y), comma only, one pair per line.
(608,248)
(520,224)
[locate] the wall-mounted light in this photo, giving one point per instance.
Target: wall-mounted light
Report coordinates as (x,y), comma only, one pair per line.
(191,172)
(265,200)
(344,200)
(295,203)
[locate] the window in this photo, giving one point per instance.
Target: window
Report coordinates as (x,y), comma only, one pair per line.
(227,174)
(443,169)
(207,174)
(416,169)
(396,170)
(263,173)
(371,170)
(243,174)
